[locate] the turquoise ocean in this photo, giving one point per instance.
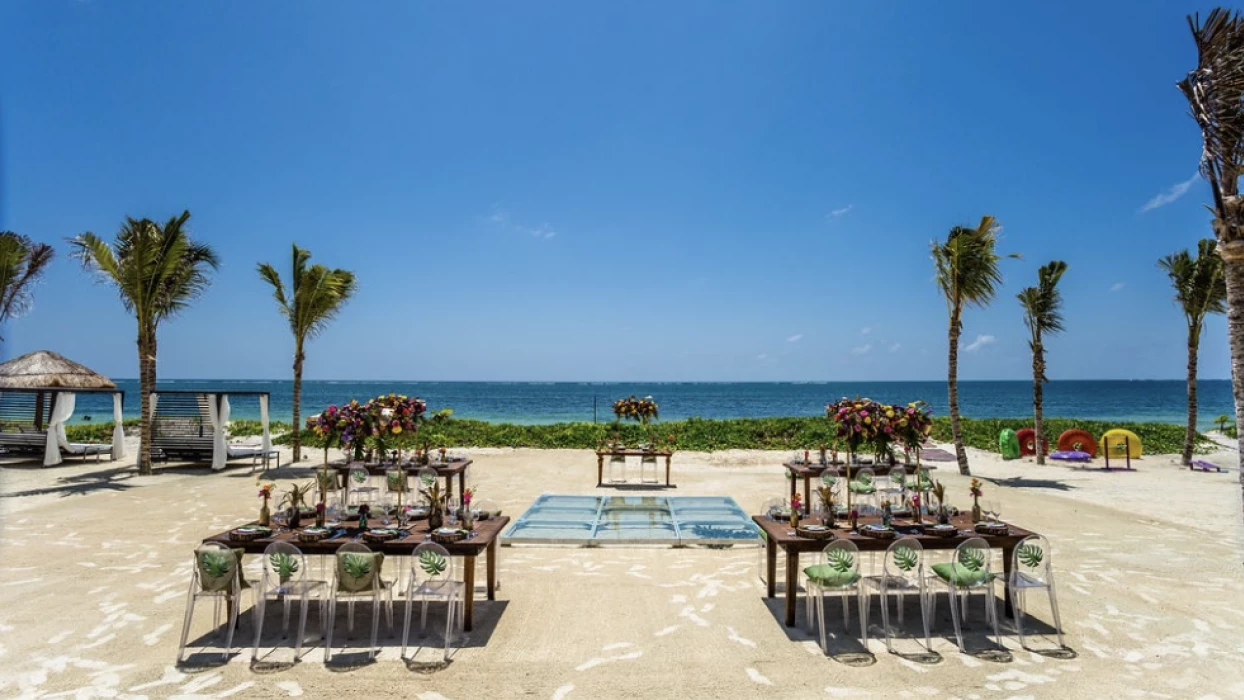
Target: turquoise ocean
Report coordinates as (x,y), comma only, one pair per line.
(553,402)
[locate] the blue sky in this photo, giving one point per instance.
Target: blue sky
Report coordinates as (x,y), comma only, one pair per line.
(612,191)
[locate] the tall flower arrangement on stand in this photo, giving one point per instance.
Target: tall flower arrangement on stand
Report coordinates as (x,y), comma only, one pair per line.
(389,417)
(858,425)
(912,427)
(642,410)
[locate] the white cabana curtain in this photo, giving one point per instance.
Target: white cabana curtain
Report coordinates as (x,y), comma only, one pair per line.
(219,416)
(62,409)
(266,443)
(118,432)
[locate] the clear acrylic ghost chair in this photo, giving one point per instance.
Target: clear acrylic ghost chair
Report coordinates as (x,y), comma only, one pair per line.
(863,487)
(1032,569)
(836,571)
(284,579)
(768,509)
(895,486)
(433,577)
(358,575)
(359,488)
(617,469)
(646,462)
(216,574)
(968,572)
(396,488)
(902,572)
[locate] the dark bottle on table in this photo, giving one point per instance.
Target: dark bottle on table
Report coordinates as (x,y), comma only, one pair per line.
(295,519)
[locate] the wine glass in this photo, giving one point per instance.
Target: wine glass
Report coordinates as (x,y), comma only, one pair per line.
(333,515)
(995,509)
(281,518)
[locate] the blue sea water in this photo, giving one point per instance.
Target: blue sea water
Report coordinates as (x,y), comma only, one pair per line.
(552,402)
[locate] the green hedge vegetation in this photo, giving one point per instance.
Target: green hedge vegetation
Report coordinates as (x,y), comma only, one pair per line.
(744,433)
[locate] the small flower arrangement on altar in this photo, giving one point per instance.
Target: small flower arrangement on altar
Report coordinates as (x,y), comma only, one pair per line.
(631,408)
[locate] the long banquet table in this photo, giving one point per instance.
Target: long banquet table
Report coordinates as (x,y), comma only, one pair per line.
(779,534)
(813,470)
(448,470)
(484,540)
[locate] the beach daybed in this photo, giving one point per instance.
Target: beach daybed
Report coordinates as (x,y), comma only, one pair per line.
(38,394)
(193,426)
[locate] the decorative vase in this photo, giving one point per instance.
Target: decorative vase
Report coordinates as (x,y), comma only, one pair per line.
(468,521)
(265,515)
(855,520)
(794,517)
(435,519)
(295,518)
(976,510)
(319,515)
(943,516)
(827,515)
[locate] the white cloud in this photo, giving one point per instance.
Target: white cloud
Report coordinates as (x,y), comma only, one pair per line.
(501,219)
(1116,286)
(862,349)
(980,342)
(795,338)
(1171,194)
(895,347)
(865,330)
(842,211)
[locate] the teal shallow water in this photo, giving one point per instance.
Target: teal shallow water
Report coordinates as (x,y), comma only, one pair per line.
(553,402)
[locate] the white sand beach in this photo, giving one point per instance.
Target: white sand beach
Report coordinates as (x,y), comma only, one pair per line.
(96,567)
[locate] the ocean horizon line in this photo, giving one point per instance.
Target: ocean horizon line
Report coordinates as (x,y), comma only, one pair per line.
(611,382)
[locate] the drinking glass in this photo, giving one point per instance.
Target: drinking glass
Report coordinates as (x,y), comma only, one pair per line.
(451,508)
(333,515)
(280,518)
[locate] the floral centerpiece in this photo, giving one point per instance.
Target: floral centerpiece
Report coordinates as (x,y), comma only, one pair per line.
(912,428)
(265,515)
(859,422)
(796,506)
(631,408)
(974,488)
(377,423)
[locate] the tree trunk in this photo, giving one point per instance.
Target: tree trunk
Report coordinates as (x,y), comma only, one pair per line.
(1194,342)
(1038,397)
(1233,267)
(147,382)
(298,358)
(952,388)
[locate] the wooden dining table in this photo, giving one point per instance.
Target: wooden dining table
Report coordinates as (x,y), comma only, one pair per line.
(778,533)
(447,470)
(812,470)
(483,540)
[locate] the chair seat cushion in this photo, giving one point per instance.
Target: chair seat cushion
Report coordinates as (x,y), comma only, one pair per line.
(829,577)
(960,575)
(357,570)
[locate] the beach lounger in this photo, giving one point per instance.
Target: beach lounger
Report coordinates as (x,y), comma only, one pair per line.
(1204,466)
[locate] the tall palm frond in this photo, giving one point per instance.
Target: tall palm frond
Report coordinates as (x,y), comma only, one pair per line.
(22,263)
(1200,283)
(967,264)
(1215,92)
(1043,303)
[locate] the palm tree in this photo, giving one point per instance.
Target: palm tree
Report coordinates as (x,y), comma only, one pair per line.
(1200,289)
(968,275)
(1042,314)
(316,295)
(22,262)
(158,270)
(1214,90)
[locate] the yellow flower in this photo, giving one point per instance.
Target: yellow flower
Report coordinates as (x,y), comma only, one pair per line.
(397,429)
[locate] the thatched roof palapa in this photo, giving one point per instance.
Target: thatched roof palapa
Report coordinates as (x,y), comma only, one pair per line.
(47,370)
